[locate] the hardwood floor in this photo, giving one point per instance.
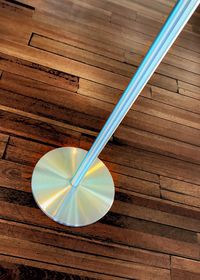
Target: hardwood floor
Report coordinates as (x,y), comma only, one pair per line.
(63,66)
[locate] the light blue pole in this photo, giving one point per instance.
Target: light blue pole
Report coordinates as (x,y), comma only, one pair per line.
(168,34)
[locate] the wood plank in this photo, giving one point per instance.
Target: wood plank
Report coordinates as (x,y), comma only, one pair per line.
(15,176)
(71,259)
(147,209)
(188,269)
(64,65)
(163,205)
(15,124)
(129,237)
(180,74)
(137,185)
(83,40)
(181,198)
(161,110)
(86,9)
(80,244)
(190,30)
(188,86)
(151,30)
(16,7)
(111,95)
(113,7)
(175,51)
(186,155)
(176,100)
(75,7)
(183,38)
(177,274)
(54,255)
(4,137)
(30,87)
(72,52)
(62,101)
(8,29)
(171,58)
(86,18)
(30,145)
(191,26)
(99,12)
(110,34)
(167,112)
(49,76)
(62,113)
(23,156)
(183,42)
(97,109)
(122,182)
(165,69)
(159,10)
(148,161)
(143,208)
(162,127)
(23,200)
(83,56)
(11,271)
(37,267)
(35,149)
(144,105)
(188,44)
(185,92)
(99,91)
(183,216)
(156,143)
(25,4)
(46,120)
(189,90)
(179,187)
(19,155)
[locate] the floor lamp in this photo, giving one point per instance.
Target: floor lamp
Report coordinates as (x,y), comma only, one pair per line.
(74,187)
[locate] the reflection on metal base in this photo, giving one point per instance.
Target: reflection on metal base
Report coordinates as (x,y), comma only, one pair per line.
(56,197)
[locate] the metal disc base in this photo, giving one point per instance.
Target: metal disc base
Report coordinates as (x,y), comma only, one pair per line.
(67,205)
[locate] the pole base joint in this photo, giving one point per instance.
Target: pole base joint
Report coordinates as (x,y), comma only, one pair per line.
(63,203)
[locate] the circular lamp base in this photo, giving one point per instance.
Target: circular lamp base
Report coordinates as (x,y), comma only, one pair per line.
(54,194)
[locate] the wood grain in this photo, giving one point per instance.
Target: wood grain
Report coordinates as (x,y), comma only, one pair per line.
(3,143)
(144,160)
(20,267)
(63,67)
(185,268)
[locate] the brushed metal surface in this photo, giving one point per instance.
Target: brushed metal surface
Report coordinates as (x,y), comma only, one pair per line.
(65,204)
